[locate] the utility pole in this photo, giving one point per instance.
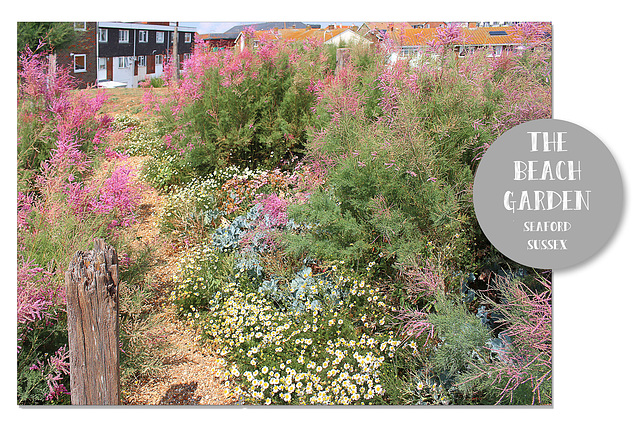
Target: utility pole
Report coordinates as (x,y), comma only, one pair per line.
(176,62)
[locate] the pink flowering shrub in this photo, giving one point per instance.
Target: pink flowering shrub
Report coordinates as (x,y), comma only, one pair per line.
(520,370)
(67,196)
(406,174)
(52,118)
(269,225)
(61,136)
(41,330)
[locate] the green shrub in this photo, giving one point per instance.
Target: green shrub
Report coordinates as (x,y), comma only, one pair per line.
(251,109)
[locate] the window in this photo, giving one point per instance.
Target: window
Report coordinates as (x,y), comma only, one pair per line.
(158,59)
(187,56)
(123,62)
(159,37)
(466,50)
(102,64)
(187,37)
(497,50)
(142,61)
(409,50)
(123,36)
(143,36)
(103,35)
(79,63)
(80,26)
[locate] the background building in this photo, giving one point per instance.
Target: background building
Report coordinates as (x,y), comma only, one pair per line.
(123,52)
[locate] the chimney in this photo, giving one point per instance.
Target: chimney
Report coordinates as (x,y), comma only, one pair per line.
(293,26)
(330,27)
(473,24)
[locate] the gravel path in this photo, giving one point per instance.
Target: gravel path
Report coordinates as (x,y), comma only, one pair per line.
(191,374)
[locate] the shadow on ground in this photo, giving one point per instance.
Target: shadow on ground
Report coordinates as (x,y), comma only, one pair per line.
(181,394)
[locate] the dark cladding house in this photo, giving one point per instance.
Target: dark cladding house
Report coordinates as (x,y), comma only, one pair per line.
(123,52)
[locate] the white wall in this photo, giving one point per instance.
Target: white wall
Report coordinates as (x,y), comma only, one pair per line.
(123,75)
(347,37)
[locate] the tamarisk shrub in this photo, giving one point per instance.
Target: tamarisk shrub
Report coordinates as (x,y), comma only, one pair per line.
(67,196)
(52,117)
(520,367)
(401,184)
(249,108)
(43,362)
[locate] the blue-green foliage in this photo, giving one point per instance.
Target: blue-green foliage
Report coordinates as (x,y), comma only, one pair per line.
(227,239)
(249,262)
(303,291)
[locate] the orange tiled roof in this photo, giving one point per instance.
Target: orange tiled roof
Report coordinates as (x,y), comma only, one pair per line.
(300,34)
(386,25)
(479,36)
(482,36)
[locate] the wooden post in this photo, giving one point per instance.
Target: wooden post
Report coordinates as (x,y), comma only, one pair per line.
(176,60)
(92,316)
(343,57)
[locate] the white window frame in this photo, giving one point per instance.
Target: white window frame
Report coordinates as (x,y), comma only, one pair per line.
(123,36)
(159,36)
(186,56)
(77,70)
(102,64)
(466,50)
(187,37)
(103,35)
(408,51)
(158,59)
(496,51)
(143,36)
(123,62)
(80,26)
(142,61)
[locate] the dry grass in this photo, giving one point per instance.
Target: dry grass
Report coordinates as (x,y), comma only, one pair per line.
(127,100)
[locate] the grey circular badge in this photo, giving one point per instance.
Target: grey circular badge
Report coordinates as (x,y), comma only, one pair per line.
(548,194)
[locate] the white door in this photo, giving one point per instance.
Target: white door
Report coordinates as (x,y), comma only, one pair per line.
(123,70)
(158,69)
(102,69)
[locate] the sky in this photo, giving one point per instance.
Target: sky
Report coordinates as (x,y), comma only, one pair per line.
(221,27)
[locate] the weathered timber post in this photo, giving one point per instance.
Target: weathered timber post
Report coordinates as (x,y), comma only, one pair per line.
(92,317)
(176,58)
(343,57)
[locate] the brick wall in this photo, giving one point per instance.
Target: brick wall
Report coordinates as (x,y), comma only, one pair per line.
(84,45)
